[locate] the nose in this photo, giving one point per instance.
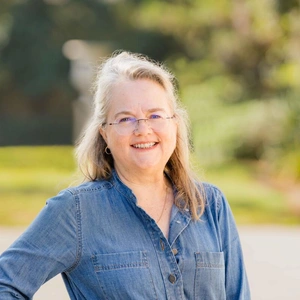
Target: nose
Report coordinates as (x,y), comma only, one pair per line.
(142,127)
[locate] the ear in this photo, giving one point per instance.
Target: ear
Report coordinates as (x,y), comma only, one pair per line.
(103,134)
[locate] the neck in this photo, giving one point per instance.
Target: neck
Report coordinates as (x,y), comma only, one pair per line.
(147,189)
(143,179)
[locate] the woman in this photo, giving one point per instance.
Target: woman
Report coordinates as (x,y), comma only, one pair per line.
(141,226)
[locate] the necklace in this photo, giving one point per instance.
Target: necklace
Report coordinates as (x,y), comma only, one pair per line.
(162,212)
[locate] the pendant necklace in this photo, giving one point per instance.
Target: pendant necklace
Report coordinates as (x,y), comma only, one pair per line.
(162,212)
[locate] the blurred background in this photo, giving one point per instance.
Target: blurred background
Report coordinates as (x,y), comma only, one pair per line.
(238,69)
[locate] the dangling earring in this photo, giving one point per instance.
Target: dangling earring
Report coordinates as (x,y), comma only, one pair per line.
(107,151)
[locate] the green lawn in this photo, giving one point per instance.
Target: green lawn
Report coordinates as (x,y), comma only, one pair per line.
(30,175)
(252,200)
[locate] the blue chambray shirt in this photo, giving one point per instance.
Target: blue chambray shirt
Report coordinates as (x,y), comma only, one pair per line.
(106,247)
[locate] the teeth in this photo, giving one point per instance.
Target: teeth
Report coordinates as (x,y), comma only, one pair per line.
(143,146)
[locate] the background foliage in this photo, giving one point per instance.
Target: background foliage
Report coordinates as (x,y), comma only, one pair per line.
(237,64)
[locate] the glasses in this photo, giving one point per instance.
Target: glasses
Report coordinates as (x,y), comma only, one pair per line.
(128,125)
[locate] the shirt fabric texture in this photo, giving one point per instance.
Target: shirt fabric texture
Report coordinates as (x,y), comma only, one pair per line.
(107,247)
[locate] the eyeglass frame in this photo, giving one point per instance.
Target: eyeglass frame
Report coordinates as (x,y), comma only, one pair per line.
(136,122)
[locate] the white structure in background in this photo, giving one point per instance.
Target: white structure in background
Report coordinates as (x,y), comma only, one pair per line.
(84,57)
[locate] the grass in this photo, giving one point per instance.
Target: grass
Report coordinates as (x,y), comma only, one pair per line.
(28,177)
(31,175)
(251,199)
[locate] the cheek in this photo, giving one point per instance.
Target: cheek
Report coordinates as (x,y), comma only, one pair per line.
(172,138)
(116,142)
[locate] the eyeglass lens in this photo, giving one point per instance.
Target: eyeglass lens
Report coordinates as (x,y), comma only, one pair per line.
(158,125)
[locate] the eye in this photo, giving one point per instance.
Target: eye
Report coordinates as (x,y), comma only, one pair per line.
(126,120)
(155,116)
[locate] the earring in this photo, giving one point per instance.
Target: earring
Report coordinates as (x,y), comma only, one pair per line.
(107,151)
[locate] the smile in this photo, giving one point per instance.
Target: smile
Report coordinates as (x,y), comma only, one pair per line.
(143,146)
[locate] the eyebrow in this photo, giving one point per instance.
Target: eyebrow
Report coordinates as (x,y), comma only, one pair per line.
(126,112)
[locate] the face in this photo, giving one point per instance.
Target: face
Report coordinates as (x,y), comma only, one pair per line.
(142,148)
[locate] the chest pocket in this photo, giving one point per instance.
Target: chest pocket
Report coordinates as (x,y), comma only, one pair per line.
(124,275)
(210,276)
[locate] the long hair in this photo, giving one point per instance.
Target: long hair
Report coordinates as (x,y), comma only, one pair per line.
(92,160)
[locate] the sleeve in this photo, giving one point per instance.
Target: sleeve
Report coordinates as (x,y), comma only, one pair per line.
(236,282)
(48,247)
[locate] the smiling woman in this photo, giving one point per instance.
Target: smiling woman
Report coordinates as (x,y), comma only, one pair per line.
(140,150)
(141,226)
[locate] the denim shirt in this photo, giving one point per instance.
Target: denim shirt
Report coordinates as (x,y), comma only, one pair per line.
(107,247)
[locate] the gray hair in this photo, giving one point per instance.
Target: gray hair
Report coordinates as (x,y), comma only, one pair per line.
(92,160)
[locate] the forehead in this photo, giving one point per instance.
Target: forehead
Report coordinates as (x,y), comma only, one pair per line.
(138,95)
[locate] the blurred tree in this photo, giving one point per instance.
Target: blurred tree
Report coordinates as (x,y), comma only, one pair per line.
(246,41)
(287,5)
(233,51)
(33,55)
(32,58)
(237,62)
(34,72)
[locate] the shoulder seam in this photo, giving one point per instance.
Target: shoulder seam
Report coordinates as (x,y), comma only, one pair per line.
(79,189)
(214,190)
(78,234)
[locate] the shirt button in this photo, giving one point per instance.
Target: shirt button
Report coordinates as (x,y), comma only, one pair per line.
(162,245)
(172,278)
(175,251)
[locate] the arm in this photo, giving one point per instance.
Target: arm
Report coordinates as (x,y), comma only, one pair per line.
(48,247)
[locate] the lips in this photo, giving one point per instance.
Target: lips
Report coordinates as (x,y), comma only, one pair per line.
(143,145)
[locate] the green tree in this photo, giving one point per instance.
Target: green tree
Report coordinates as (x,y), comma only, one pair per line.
(34,79)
